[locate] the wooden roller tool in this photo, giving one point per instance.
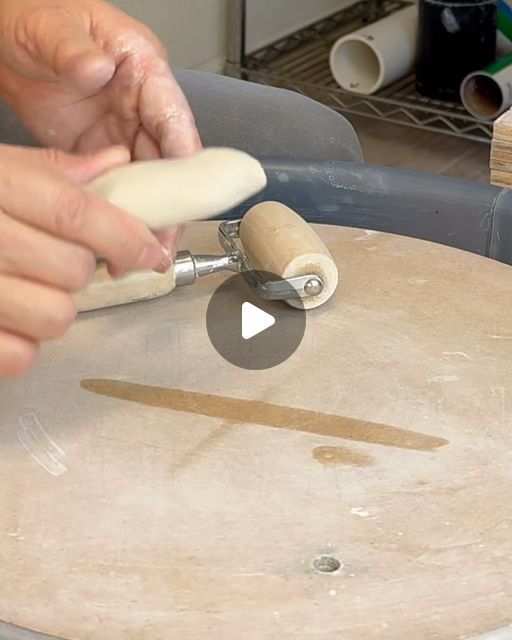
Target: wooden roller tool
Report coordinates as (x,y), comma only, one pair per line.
(277,240)
(270,238)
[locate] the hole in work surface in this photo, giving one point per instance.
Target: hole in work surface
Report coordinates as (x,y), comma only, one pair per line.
(327,564)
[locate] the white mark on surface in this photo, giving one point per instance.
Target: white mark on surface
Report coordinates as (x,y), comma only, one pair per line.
(417,281)
(352,180)
(505,633)
(367,234)
(283,177)
(14,534)
(456,353)
(497,337)
(453,378)
(359,511)
(38,444)
(332,592)
(485,223)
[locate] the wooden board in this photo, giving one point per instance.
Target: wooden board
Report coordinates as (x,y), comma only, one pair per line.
(501,151)
(143,517)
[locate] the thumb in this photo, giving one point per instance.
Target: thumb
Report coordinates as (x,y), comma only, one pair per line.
(169,238)
(78,168)
(67,50)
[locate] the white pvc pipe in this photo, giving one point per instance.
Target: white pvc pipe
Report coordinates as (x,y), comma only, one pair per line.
(487,93)
(378,54)
(503,45)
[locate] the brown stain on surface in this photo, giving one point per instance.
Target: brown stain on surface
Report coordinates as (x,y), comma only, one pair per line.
(343,456)
(194,455)
(263,413)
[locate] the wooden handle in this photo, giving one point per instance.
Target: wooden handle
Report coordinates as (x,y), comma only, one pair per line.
(105,291)
(279,241)
(162,193)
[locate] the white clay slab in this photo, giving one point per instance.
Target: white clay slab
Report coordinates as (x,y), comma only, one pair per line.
(162,193)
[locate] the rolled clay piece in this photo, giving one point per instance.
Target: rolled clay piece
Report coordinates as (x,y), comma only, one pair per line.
(105,292)
(277,240)
(162,193)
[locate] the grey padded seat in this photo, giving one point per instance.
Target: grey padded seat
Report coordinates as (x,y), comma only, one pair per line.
(264,121)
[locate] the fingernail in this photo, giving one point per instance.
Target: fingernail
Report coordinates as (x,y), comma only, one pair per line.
(165,263)
(152,255)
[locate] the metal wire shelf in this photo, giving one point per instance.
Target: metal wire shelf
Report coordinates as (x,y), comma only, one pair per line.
(300,62)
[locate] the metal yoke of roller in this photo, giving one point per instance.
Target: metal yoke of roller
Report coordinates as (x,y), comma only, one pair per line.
(188,268)
(271,238)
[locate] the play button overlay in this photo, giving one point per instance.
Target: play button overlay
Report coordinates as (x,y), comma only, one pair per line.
(255,320)
(251,332)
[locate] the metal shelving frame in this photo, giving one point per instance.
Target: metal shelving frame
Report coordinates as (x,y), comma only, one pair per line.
(300,62)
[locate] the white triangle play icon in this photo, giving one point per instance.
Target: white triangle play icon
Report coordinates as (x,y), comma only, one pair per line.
(254,321)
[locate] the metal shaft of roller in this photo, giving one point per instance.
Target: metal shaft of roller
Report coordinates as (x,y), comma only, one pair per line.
(188,268)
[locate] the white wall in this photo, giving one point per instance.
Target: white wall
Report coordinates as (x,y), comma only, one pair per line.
(194,31)
(269,20)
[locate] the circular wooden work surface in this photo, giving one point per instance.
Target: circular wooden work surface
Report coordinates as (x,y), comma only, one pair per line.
(384,444)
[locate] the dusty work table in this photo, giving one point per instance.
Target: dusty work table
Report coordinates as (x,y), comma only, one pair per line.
(380,510)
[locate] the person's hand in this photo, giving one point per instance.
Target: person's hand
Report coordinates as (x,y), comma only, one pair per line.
(82,75)
(51,229)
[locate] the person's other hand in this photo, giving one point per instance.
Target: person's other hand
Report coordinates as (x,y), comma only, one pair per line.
(82,75)
(51,229)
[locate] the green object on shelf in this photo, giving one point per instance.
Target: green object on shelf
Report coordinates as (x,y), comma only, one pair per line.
(500,64)
(505,19)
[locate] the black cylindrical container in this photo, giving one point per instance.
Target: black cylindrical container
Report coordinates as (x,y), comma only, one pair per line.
(455,38)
